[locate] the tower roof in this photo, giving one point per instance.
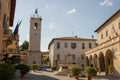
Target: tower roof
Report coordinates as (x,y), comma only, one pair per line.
(36,15)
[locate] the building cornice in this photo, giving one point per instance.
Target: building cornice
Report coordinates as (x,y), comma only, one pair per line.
(107,20)
(70,39)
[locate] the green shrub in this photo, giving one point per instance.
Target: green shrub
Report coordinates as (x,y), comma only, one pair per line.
(76,71)
(23,68)
(54,68)
(91,71)
(7,72)
(35,66)
(110,67)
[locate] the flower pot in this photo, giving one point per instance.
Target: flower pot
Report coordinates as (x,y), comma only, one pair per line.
(77,77)
(89,78)
(110,71)
(22,75)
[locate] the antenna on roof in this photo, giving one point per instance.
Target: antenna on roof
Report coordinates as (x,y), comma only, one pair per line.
(73,33)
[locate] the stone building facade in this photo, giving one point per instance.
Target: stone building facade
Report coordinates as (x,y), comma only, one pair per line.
(7,10)
(107,52)
(61,48)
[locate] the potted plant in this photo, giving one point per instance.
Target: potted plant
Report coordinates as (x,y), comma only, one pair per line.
(91,71)
(54,68)
(110,69)
(35,67)
(7,72)
(24,69)
(75,72)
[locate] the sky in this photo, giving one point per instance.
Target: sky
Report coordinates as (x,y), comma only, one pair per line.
(64,18)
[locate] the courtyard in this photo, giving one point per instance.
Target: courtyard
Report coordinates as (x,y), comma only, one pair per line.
(47,75)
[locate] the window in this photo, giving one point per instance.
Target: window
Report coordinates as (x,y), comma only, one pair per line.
(66,45)
(58,45)
(35,26)
(0,6)
(58,56)
(119,25)
(101,36)
(83,45)
(73,45)
(73,56)
(106,33)
(90,45)
(4,21)
(83,67)
(82,56)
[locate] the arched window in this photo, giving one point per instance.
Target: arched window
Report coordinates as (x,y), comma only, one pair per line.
(35,26)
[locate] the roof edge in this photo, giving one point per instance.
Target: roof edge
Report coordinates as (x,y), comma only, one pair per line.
(107,20)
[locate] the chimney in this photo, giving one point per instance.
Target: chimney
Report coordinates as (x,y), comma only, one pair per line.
(75,36)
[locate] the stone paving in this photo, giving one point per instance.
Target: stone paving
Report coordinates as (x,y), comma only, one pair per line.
(44,75)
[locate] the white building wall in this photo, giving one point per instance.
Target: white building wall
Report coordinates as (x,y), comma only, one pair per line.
(115,22)
(64,51)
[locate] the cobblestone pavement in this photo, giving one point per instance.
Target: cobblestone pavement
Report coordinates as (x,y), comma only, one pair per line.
(43,75)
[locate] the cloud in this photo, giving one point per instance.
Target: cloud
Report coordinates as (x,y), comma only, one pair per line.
(27,36)
(106,3)
(51,25)
(71,11)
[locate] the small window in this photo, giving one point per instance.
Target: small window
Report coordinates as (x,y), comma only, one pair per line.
(119,25)
(73,56)
(73,45)
(66,45)
(90,45)
(58,45)
(35,26)
(83,45)
(82,56)
(106,33)
(58,56)
(101,36)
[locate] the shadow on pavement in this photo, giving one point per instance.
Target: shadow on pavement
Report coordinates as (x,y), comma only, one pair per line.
(35,77)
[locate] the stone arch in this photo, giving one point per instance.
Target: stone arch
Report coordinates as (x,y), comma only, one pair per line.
(87,61)
(101,62)
(95,61)
(91,61)
(109,58)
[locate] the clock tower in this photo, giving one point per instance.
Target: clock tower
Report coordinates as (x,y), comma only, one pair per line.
(34,53)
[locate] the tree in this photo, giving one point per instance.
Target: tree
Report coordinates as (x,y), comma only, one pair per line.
(24,46)
(45,59)
(75,72)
